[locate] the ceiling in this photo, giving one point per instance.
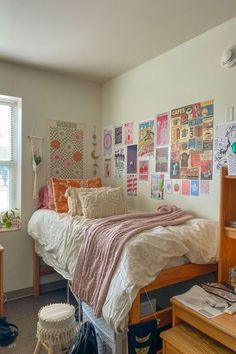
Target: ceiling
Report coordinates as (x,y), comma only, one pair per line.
(100,39)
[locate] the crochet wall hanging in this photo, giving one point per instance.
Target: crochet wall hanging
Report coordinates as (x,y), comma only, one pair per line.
(94,155)
(37,157)
(66,149)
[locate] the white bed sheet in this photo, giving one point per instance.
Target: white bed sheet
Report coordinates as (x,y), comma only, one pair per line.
(59,238)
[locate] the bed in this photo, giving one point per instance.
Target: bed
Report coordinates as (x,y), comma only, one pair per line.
(150,260)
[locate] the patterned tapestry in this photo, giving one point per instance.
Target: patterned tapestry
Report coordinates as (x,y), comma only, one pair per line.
(66,149)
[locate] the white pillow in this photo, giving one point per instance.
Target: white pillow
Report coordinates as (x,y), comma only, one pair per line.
(103,203)
(73,198)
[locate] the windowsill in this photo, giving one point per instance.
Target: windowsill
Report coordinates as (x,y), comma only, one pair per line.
(3,229)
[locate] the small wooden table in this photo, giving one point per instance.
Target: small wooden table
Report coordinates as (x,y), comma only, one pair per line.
(1,279)
(222,328)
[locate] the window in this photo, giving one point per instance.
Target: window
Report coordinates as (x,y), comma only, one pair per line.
(9,154)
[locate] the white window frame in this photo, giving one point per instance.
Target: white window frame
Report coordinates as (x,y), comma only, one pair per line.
(14,164)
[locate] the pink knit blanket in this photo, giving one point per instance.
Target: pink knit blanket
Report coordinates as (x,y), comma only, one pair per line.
(102,247)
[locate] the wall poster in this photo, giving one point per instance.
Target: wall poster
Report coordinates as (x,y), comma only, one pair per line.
(162,129)
(157,186)
(225,134)
(107,141)
(146,138)
(162,159)
(192,141)
(107,168)
(128,133)
(118,135)
(119,163)
(66,149)
(132,185)
(143,171)
(132,159)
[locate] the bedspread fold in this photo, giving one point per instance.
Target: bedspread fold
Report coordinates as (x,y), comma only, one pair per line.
(102,247)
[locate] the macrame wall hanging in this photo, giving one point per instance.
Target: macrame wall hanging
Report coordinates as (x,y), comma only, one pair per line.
(37,156)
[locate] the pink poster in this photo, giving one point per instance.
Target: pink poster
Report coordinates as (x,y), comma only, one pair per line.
(129,133)
(132,185)
(162,129)
(143,170)
(185,187)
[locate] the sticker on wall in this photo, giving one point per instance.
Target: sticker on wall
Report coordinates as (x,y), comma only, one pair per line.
(107,141)
(132,159)
(162,159)
(128,133)
(192,141)
(225,135)
(118,135)
(157,186)
(143,171)
(146,138)
(204,187)
(162,129)
(169,186)
(195,188)
(119,163)
(107,168)
(132,185)
(66,149)
(185,187)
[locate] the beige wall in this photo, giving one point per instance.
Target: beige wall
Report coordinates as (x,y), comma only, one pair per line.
(44,96)
(184,75)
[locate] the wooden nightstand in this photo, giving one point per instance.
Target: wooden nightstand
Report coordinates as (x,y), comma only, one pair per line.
(1,279)
(222,328)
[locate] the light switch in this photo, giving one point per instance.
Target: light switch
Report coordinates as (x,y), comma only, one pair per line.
(229,114)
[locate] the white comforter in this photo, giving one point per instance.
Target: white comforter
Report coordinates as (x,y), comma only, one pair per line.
(59,238)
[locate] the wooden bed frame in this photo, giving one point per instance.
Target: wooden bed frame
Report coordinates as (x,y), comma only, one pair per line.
(166,277)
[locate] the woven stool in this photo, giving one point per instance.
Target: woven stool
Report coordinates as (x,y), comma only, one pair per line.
(56,328)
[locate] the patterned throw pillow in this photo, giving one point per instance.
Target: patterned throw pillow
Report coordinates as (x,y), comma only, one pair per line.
(103,203)
(59,187)
(73,198)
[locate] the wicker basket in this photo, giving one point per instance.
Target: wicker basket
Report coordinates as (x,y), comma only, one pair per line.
(231,159)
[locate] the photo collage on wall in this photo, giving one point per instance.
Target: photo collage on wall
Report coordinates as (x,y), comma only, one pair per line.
(172,152)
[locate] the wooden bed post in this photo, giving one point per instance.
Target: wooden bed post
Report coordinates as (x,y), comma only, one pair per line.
(36,275)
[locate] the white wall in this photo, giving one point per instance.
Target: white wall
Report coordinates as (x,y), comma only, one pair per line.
(184,75)
(44,96)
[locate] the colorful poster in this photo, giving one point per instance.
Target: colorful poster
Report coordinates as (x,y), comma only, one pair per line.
(132,159)
(162,129)
(146,138)
(119,163)
(162,159)
(192,141)
(107,142)
(129,133)
(157,186)
(225,135)
(132,185)
(66,149)
(143,170)
(169,186)
(176,187)
(195,188)
(107,168)
(118,132)
(185,187)
(204,187)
